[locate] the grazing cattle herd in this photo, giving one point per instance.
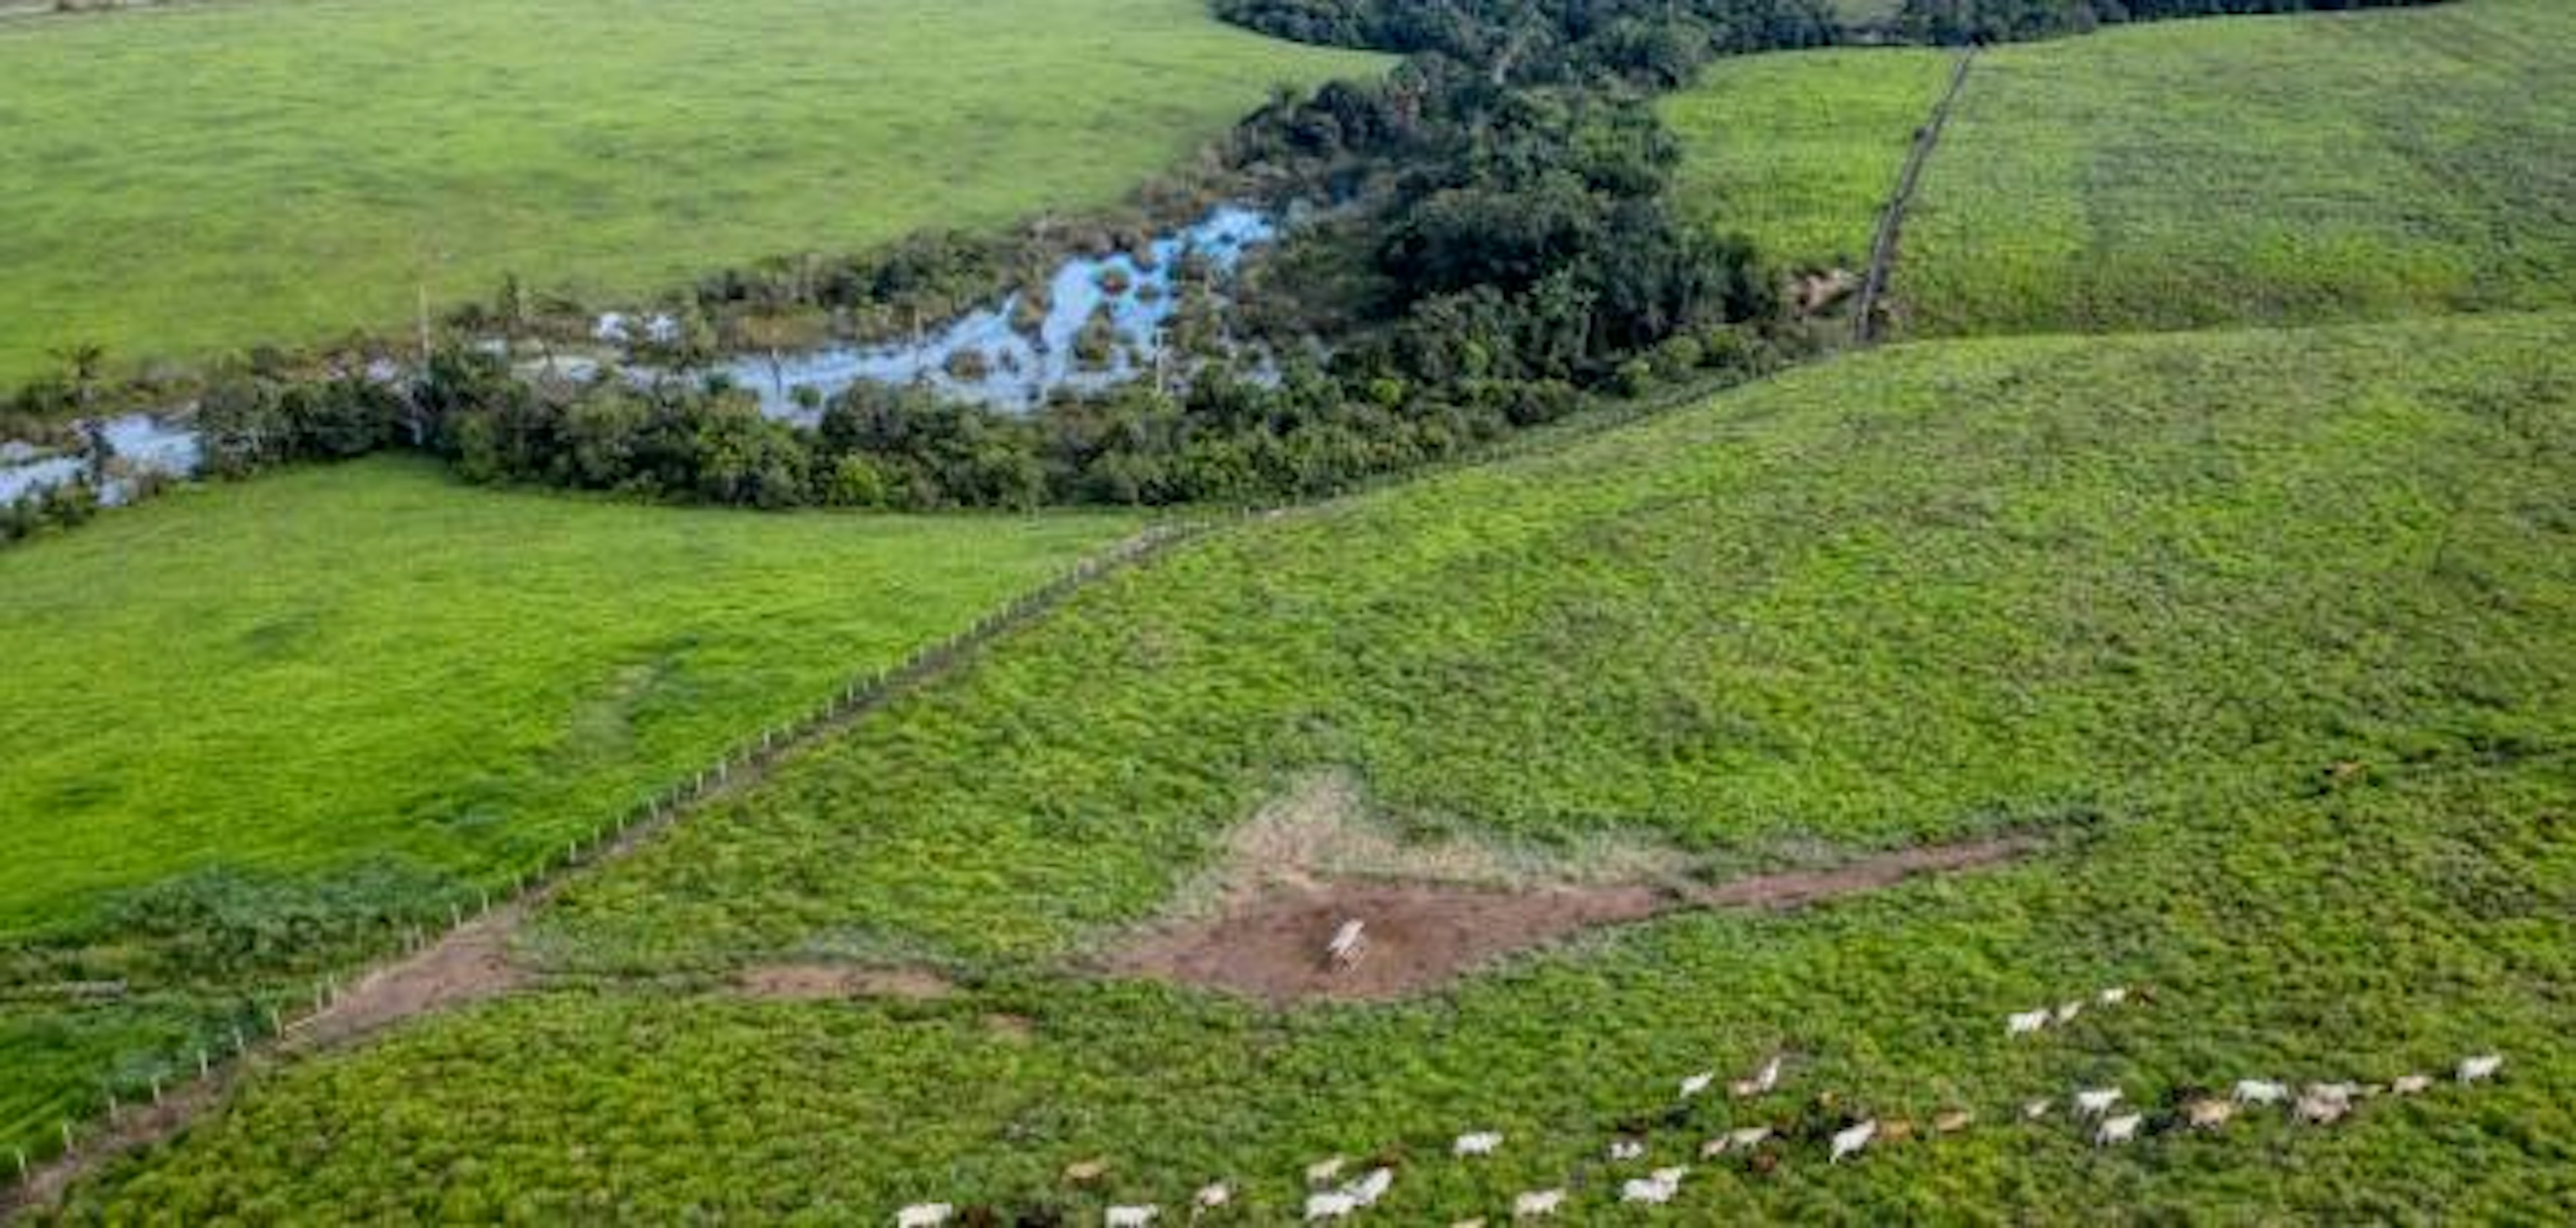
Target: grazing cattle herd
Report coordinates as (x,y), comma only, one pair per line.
(1762,1145)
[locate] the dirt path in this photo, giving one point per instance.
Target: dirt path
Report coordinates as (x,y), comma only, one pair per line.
(471,962)
(1267,941)
(1867,314)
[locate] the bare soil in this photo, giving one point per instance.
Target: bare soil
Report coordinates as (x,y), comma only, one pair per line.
(1801,887)
(1258,923)
(466,965)
(1271,944)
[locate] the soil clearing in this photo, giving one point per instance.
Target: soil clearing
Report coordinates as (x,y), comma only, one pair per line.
(1260,923)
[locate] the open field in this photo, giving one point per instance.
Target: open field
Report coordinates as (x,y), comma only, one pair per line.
(246,719)
(2135,598)
(1800,149)
(2319,167)
(193,179)
(2185,174)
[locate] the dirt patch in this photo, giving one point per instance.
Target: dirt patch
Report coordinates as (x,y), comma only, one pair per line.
(1271,945)
(1260,923)
(468,964)
(1799,887)
(1816,293)
(833,983)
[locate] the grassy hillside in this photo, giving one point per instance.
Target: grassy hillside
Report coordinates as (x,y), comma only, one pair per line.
(372,661)
(319,160)
(1800,150)
(2134,595)
(2187,174)
(255,714)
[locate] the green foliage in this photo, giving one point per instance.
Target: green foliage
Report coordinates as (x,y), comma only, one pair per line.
(1800,150)
(2183,175)
(2133,594)
(254,728)
(596,147)
(1905,598)
(455,678)
(2259,171)
(1952,21)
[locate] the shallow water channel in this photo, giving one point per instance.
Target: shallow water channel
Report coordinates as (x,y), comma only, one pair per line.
(141,443)
(1016,368)
(1016,362)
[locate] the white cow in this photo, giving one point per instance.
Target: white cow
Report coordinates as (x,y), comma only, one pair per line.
(2026,1023)
(1745,1139)
(1623,1150)
(2116,1130)
(1695,1084)
(1481,1143)
(1762,1081)
(1536,1204)
(1371,1187)
(2412,1084)
(2113,996)
(924,1215)
(2261,1091)
(1349,943)
(1849,1142)
(2320,1108)
(1334,1205)
(2094,1102)
(1324,1170)
(2067,1011)
(1130,1217)
(2480,1068)
(1656,1189)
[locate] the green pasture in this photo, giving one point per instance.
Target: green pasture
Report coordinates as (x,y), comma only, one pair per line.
(372,661)
(2259,170)
(1799,150)
(187,180)
(247,723)
(2186,174)
(2135,596)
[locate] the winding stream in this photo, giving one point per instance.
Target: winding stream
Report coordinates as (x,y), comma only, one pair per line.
(1014,369)
(995,357)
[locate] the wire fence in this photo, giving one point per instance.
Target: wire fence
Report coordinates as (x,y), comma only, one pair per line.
(203,1069)
(1869,313)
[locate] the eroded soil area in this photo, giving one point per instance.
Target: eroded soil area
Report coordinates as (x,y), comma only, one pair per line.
(1261,922)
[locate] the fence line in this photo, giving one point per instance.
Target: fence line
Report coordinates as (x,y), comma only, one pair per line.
(630,826)
(1891,221)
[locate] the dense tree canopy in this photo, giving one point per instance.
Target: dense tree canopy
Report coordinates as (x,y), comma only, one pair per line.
(1999,20)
